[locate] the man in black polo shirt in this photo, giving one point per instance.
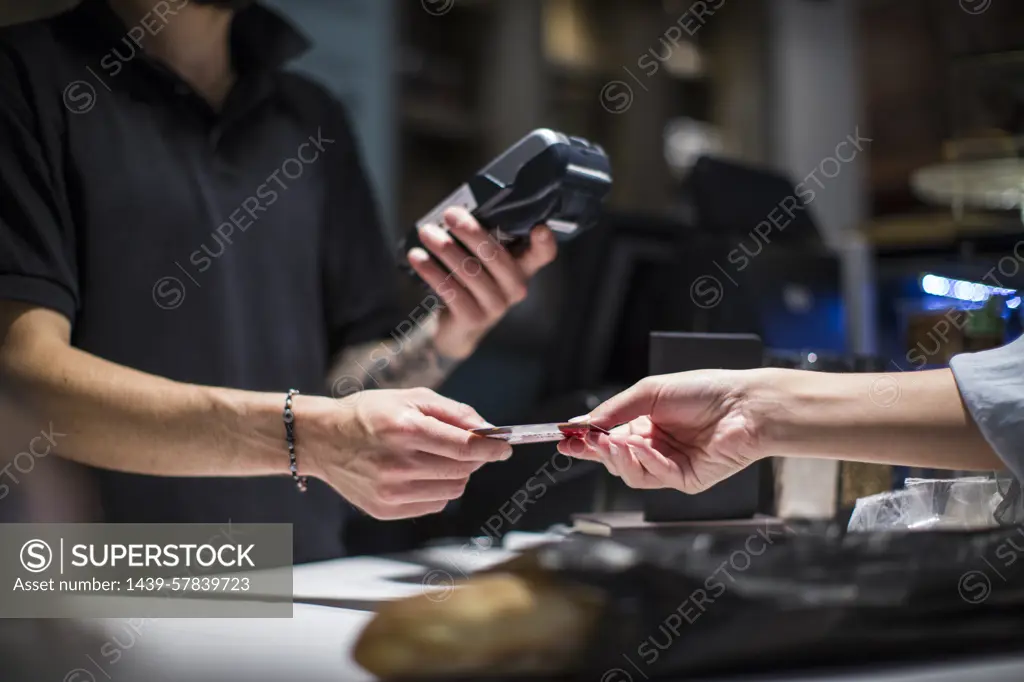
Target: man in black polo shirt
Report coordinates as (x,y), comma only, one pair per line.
(186,233)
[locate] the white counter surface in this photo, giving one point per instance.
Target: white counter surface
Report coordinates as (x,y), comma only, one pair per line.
(334,600)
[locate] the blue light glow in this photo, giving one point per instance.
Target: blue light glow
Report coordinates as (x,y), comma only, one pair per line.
(963,290)
(934,285)
(1013,303)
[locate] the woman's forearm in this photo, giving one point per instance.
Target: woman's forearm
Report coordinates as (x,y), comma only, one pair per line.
(904,418)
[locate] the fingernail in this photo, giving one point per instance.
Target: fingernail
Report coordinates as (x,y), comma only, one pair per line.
(435,233)
(581,418)
(452,214)
(419,255)
(464,221)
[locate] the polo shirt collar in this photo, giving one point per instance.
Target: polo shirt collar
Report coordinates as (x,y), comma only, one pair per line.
(261,39)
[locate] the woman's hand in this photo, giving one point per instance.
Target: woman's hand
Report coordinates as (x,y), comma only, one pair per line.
(685,431)
(691,430)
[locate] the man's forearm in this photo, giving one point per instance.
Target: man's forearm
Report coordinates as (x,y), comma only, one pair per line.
(908,418)
(114,417)
(409,362)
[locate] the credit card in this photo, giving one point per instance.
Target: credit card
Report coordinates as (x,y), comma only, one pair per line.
(538,433)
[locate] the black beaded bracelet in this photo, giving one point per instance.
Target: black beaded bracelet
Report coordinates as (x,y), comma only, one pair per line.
(289,433)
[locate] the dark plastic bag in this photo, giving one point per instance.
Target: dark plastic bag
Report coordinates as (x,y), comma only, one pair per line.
(763,600)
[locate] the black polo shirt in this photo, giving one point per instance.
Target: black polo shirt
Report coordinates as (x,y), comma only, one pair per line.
(239,248)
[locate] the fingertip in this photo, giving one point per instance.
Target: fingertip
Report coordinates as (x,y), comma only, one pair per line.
(454,215)
(501,451)
(418,256)
(615,442)
(473,417)
(434,234)
(576,449)
(491,450)
(596,419)
(619,436)
(451,216)
(635,441)
(572,447)
(603,415)
(543,239)
(635,401)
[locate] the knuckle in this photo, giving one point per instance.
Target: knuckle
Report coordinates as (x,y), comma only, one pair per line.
(422,393)
(391,469)
(647,384)
(390,493)
(467,413)
(406,424)
(474,314)
(518,293)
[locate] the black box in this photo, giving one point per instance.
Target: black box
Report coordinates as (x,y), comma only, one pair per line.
(746,493)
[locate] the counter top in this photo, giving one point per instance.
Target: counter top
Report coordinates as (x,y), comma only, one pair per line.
(333,601)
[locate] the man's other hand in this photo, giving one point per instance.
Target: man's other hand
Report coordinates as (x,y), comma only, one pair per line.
(484,280)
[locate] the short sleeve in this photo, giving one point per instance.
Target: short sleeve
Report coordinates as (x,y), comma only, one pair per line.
(37,244)
(360,270)
(992,386)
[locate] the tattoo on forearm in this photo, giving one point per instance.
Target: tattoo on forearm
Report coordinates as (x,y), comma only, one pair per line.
(402,362)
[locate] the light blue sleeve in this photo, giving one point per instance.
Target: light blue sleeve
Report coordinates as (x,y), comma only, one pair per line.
(992,386)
